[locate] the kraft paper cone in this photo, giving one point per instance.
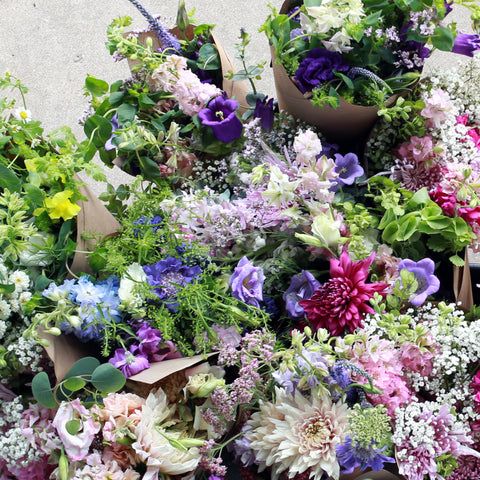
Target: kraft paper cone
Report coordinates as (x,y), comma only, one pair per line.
(238,90)
(93,219)
(462,284)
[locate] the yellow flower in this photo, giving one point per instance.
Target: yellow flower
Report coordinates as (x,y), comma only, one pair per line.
(60,206)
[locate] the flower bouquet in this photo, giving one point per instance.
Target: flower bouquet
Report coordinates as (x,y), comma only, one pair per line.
(336,62)
(174,117)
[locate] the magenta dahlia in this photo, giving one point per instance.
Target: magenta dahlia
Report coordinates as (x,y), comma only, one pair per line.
(340,303)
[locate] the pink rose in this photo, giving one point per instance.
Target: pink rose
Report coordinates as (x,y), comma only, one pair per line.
(76,446)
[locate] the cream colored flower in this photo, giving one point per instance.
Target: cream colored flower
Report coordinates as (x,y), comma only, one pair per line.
(297,433)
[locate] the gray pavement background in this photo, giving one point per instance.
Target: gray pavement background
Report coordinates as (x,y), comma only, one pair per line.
(51,45)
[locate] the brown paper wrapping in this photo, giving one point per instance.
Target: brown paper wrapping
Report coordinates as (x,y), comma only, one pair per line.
(238,90)
(93,219)
(462,284)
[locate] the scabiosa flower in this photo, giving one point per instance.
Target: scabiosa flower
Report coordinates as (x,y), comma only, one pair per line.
(424,272)
(348,170)
(246,282)
(221,116)
(318,68)
(340,303)
(296,433)
(302,286)
(167,276)
(466,44)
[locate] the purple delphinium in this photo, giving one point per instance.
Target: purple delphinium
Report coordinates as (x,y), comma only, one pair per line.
(168,40)
(424,272)
(318,68)
(466,44)
(220,115)
(302,286)
(129,362)
(167,276)
(348,170)
(352,455)
(155,222)
(246,282)
(264,110)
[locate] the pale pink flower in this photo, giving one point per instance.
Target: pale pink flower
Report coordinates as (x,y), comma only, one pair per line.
(416,359)
(307,146)
(76,446)
(437,108)
(295,434)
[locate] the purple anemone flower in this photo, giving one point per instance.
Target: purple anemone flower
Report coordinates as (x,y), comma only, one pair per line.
(302,286)
(129,362)
(220,115)
(348,169)
(466,44)
(264,111)
(352,455)
(167,276)
(318,68)
(424,272)
(246,283)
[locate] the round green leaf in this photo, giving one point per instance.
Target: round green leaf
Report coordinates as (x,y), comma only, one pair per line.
(73,426)
(108,379)
(96,86)
(84,366)
(74,383)
(42,391)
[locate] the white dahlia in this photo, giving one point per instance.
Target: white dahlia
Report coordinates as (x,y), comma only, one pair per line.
(296,433)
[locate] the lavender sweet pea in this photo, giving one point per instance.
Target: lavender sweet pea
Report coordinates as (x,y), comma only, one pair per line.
(466,44)
(302,286)
(318,68)
(220,115)
(428,283)
(246,282)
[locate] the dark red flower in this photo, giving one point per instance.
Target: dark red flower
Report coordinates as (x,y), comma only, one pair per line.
(340,303)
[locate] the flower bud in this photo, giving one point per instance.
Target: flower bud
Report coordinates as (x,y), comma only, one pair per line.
(182,16)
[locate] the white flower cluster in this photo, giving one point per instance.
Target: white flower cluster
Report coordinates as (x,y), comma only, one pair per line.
(15,301)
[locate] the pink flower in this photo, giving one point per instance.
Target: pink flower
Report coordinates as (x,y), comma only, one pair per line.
(76,446)
(340,303)
(437,107)
(452,207)
(416,359)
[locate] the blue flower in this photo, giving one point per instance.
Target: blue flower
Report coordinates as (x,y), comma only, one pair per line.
(352,455)
(348,170)
(246,283)
(424,271)
(302,286)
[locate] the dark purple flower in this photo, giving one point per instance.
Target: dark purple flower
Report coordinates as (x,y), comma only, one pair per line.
(348,168)
(115,126)
(341,374)
(129,362)
(302,286)
(352,455)
(318,68)
(424,271)
(264,111)
(246,282)
(220,115)
(448,6)
(150,338)
(167,276)
(466,44)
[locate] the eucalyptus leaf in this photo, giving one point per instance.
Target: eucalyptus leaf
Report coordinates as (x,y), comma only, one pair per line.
(42,390)
(108,379)
(74,383)
(84,366)
(443,39)
(126,114)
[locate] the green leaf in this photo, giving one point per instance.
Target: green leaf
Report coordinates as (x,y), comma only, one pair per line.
(149,168)
(84,366)
(9,180)
(73,426)
(74,383)
(312,3)
(457,261)
(42,282)
(97,260)
(4,140)
(208,58)
(145,101)
(387,218)
(99,129)
(42,391)
(116,98)
(108,379)
(407,226)
(126,113)
(439,222)
(390,233)
(34,193)
(421,197)
(443,39)
(96,86)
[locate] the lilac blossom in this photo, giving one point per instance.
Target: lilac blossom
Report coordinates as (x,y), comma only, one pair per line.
(129,362)
(246,283)
(466,44)
(424,272)
(220,115)
(302,286)
(348,170)
(352,455)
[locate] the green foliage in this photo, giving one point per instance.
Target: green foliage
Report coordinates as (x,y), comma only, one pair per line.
(87,379)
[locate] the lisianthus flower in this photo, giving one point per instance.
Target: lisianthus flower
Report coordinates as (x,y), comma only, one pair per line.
(302,286)
(221,116)
(424,272)
(318,68)
(466,44)
(348,169)
(246,282)
(341,302)
(129,362)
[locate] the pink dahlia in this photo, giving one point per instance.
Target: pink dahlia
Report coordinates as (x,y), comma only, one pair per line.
(341,302)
